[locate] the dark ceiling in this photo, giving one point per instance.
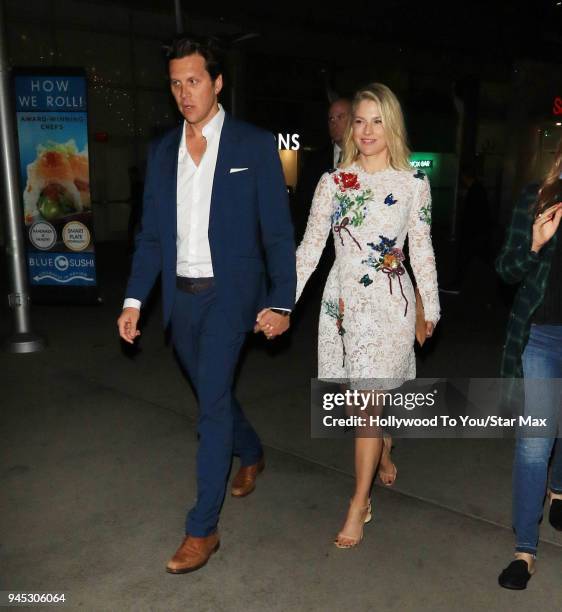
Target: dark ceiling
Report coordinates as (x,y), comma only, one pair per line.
(505,28)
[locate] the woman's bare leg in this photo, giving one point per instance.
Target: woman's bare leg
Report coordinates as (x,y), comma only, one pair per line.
(387,469)
(368,449)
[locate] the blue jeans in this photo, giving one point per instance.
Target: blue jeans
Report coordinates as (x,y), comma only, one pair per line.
(542,359)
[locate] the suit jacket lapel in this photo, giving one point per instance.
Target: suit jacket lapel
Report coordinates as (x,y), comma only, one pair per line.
(222,169)
(169,181)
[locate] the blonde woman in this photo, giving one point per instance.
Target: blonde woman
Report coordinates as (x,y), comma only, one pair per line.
(371,203)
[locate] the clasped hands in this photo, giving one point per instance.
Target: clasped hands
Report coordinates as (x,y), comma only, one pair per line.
(271,323)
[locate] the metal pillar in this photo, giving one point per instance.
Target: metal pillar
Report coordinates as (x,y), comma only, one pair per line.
(22,340)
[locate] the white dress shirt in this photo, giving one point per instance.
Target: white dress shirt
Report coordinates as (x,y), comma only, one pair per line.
(337,153)
(194,189)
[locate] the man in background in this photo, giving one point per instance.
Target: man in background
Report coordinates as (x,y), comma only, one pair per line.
(320,161)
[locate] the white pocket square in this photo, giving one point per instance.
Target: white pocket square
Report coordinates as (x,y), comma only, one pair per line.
(233,170)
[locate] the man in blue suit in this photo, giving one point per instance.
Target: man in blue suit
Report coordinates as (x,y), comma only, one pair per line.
(216,227)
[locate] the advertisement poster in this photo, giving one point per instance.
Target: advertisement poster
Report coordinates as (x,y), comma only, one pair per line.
(52,127)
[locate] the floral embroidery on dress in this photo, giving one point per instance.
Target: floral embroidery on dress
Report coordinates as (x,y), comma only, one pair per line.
(384,246)
(351,208)
(366,280)
(347,180)
(425,214)
(390,200)
(388,259)
(336,310)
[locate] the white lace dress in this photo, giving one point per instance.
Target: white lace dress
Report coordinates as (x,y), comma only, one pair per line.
(367,322)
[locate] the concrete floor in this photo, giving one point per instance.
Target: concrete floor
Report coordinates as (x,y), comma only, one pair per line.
(97,469)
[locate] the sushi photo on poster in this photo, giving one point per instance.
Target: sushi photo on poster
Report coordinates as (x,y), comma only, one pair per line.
(52,130)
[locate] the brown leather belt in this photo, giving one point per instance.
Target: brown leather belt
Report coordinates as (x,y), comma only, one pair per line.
(194,285)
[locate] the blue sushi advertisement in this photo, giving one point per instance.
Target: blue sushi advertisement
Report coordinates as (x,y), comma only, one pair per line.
(52,127)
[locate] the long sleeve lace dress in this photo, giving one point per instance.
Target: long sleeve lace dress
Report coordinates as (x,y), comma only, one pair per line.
(367,323)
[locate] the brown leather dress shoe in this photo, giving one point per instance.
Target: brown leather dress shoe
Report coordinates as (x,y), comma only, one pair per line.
(245,480)
(193,554)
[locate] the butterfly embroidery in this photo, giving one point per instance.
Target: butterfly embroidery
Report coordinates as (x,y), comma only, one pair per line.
(366,281)
(419,174)
(389,200)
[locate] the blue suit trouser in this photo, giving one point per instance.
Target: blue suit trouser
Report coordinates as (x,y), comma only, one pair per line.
(209,348)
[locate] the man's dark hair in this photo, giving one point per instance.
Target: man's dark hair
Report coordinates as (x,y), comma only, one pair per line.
(209,48)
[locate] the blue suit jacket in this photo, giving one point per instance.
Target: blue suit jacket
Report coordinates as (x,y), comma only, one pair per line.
(250,229)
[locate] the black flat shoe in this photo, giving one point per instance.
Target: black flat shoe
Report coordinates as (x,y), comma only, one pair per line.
(555,514)
(515,576)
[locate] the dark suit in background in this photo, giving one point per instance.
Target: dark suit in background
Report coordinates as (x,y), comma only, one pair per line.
(315,165)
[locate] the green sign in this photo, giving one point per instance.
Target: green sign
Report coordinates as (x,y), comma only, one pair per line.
(421,163)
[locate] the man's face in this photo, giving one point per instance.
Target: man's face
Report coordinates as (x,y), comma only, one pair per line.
(338,118)
(194,91)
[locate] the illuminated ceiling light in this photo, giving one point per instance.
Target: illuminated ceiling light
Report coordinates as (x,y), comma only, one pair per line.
(558,124)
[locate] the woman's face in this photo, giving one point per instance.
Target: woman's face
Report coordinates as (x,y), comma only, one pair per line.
(368,129)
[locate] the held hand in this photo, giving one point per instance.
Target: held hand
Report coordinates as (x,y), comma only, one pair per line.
(429,329)
(271,323)
(545,226)
(127,324)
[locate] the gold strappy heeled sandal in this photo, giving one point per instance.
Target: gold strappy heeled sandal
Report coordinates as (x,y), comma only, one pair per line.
(354,541)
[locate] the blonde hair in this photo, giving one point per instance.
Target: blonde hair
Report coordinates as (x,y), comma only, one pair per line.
(392,121)
(550,187)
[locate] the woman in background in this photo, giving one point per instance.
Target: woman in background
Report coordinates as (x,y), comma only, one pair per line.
(532,257)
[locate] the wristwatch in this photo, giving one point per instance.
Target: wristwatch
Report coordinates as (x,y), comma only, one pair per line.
(284,313)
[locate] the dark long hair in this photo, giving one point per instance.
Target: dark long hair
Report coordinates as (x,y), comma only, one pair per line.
(550,189)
